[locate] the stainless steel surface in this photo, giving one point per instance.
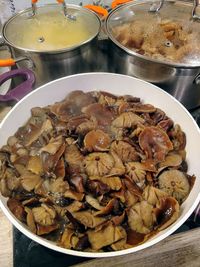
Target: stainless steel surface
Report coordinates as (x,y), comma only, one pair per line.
(180,80)
(51,65)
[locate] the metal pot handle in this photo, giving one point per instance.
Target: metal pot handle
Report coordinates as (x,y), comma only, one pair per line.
(64,6)
(197,79)
(194,10)
(21,90)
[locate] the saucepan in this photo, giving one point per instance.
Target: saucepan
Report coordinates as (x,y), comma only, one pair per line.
(52,40)
(185,145)
(158,41)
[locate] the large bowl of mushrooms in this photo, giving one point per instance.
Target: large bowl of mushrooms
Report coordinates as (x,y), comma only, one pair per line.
(98,165)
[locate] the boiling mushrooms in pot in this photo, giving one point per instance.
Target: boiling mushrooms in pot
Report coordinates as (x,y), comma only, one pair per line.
(96,171)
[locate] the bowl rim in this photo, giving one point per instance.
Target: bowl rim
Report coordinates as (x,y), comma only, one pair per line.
(51,245)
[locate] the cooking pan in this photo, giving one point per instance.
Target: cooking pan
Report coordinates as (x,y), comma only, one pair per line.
(52,40)
(179,78)
(120,85)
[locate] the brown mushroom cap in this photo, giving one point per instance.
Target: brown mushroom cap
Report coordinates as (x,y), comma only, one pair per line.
(175,184)
(97,140)
(155,142)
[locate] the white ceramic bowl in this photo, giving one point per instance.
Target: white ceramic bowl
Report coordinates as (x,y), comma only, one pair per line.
(120,85)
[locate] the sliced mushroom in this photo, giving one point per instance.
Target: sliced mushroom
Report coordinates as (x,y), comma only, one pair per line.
(141,217)
(125,151)
(88,219)
(85,127)
(16,208)
(102,114)
(142,108)
(166,212)
(44,215)
(53,145)
(114,182)
(153,195)
(175,184)
(74,195)
(72,105)
(33,133)
(46,229)
(35,165)
(59,186)
(30,220)
(127,120)
(178,138)
(93,202)
(68,239)
(75,206)
(117,220)
(97,188)
(155,142)
(30,180)
(118,167)
(171,160)
(59,170)
(96,140)
(108,208)
(73,156)
(49,161)
(105,236)
(98,164)
(77,181)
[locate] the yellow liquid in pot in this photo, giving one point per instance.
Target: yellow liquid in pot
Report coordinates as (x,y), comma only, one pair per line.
(52,32)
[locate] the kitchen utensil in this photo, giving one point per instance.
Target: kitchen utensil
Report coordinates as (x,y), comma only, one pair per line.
(120,85)
(20,90)
(52,40)
(178,77)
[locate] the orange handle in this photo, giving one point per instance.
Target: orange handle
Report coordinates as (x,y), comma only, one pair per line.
(7,62)
(119,2)
(60,1)
(34,1)
(98,9)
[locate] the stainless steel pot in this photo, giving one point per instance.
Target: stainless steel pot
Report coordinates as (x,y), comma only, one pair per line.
(52,40)
(179,78)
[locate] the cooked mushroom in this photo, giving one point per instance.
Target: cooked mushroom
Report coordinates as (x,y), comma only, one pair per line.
(175,184)
(166,212)
(114,182)
(97,140)
(68,239)
(44,215)
(30,220)
(105,236)
(102,172)
(53,145)
(102,114)
(141,217)
(35,165)
(16,208)
(98,164)
(171,160)
(93,202)
(29,180)
(88,219)
(127,120)
(155,142)
(125,151)
(153,195)
(136,172)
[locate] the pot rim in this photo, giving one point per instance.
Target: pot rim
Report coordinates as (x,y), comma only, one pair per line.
(62,50)
(133,53)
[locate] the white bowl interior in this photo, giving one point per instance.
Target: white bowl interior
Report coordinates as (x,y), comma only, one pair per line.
(120,85)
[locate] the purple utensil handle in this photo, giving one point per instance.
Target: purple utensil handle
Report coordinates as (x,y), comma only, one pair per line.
(20,90)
